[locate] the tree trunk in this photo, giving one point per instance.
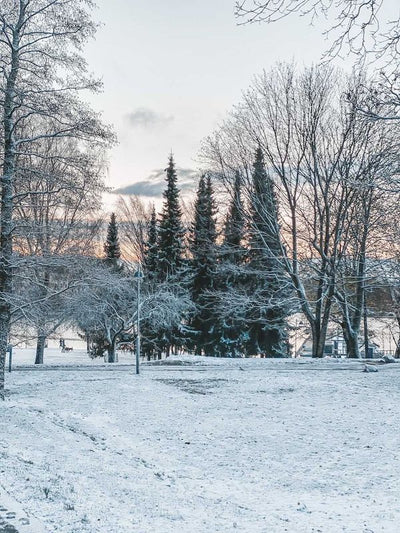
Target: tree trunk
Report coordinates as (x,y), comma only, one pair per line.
(318,336)
(7,182)
(366,338)
(111,351)
(351,339)
(397,314)
(397,351)
(353,350)
(40,345)
(4,321)
(6,246)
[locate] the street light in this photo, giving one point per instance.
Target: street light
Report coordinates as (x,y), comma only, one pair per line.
(138,275)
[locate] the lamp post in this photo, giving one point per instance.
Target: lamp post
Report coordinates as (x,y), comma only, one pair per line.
(138,276)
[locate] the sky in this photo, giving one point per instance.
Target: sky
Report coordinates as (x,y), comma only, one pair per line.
(171,71)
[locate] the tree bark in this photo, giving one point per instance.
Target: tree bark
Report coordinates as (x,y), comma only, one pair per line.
(366,338)
(4,320)
(111,351)
(397,351)
(7,181)
(40,345)
(351,339)
(318,337)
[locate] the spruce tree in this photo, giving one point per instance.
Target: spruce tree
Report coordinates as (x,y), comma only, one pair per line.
(232,329)
(151,256)
(170,247)
(111,247)
(171,231)
(150,267)
(234,223)
(267,279)
(203,266)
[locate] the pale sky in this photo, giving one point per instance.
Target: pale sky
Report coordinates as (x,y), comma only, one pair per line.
(172,69)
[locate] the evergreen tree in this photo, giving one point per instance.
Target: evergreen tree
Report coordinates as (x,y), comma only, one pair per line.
(111,247)
(151,256)
(170,248)
(232,329)
(150,339)
(203,266)
(96,338)
(267,279)
(234,223)
(171,231)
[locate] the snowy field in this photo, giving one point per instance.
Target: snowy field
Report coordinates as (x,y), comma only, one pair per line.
(200,446)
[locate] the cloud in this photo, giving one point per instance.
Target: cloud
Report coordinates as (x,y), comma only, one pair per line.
(142,188)
(155,184)
(143,117)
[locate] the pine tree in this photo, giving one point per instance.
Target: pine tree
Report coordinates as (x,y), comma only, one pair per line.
(234,223)
(268,319)
(232,329)
(150,267)
(203,266)
(151,256)
(112,251)
(171,231)
(111,247)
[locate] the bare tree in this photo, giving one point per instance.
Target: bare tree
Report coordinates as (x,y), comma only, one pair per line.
(359,26)
(56,203)
(386,272)
(41,74)
(134,219)
(106,307)
(356,275)
(39,304)
(368,29)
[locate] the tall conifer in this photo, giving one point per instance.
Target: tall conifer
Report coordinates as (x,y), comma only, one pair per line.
(111,247)
(234,222)
(151,256)
(203,266)
(232,328)
(171,231)
(267,319)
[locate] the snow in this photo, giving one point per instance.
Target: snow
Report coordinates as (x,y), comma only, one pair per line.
(202,445)
(55,357)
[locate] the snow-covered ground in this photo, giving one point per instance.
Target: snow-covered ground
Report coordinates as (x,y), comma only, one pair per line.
(202,445)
